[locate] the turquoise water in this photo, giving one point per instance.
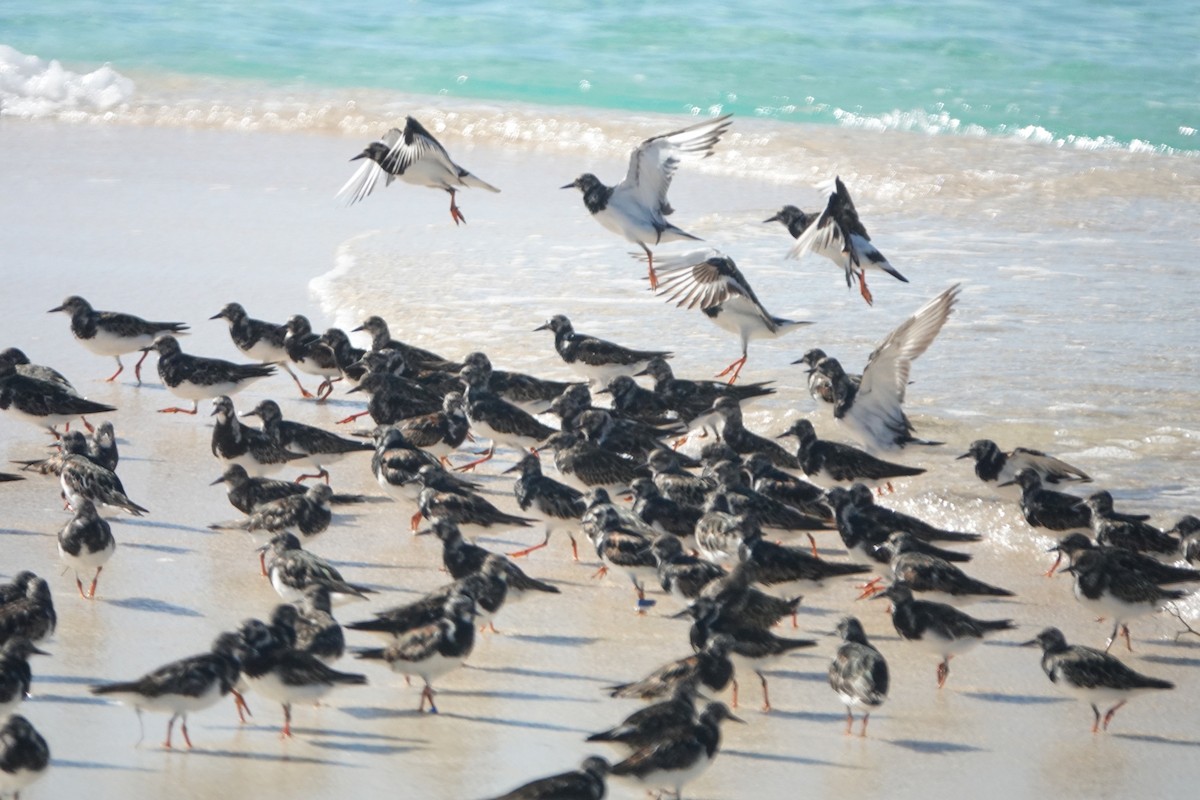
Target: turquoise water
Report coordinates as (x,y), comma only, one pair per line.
(1078,71)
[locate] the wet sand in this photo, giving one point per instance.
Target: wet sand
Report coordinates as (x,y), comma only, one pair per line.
(129,222)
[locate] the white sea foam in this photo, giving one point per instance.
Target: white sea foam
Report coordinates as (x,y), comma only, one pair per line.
(33,87)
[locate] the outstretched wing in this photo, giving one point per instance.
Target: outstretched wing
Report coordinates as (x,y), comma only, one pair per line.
(653,162)
(886,375)
(703,279)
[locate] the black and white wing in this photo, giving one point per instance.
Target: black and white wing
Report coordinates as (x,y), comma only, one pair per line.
(704,279)
(653,163)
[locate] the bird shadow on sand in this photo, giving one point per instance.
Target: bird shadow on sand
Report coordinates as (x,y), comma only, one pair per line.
(811,677)
(784,759)
(60,763)
(535,673)
(364,748)
(808,716)
(933,747)
(1150,738)
(75,700)
(169,526)
(557,641)
(1178,661)
(152,605)
(159,548)
(519,696)
(1015,699)
(78,680)
(282,758)
(15,532)
(517,723)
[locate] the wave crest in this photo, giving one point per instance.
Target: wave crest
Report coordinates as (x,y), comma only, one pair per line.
(32,87)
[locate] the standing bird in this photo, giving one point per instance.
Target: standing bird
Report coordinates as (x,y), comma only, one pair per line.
(111,333)
(840,236)
(681,756)
(443,498)
(15,675)
(871,408)
(182,687)
(598,360)
(308,514)
(637,207)
(196,378)
(24,756)
(311,354)
(1046,508)
(938,628)
(492,417)
(415,157)
(263,341)
(246,493)
(236,443)
(274,668)
(709,667)
(86,544)
(559,506)
(933,577)
(585,783)
(42,403)
(1091,675)
(1118,590)
(833,463)
(746,442)
(293,570)
(81,479)
(462,558)
(691,399)
(29,615)
(995,466)
(1113,529)
(858,673)
(432,650)
(319,447)
(709,280)
(312,623)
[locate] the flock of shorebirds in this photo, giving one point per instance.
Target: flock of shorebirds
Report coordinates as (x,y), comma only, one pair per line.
(703,529)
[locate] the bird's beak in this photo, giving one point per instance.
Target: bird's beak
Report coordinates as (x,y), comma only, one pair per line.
(605,390)
(363,154)
(146,349)
(263,549)
(218,315)
(964,455)
(1030,643)
(56,308)
(545,326)
(356,330)
(218,480)
(739,720)
(214,412)
(423,532)
(640,374)
(625,494)
(354,389)
(687,612)
(1006,483)
(251,413)
(512,469)
(571,185)
(37,651)
(772,219)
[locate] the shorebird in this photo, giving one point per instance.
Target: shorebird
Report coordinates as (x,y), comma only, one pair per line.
(311,354)
(839,235)
(433,650)
(637,208)
(1046,508)
(585,783)
(858,673)
(313,627)
(318,447)
(995,466)
(196,378)
(86,544)
(15,675)
(236,443)
(263,341)
(1091,675)
(24,756)
(111,333)
(934,578)
(293,570)
(246,493)
(1116,590)
(596,359)
(492,417)
(559,506)
(679,757)
(43,403)
(709,667)
(307,514)
(691,399)
(1118,530)
(872,409)
(711,281)
(745,442)
(937,627)
(414,156)
(182,687)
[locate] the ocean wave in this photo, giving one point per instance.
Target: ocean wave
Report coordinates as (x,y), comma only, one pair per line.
(32,87)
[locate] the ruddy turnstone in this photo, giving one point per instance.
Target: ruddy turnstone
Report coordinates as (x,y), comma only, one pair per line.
(585,783)
(42,403)
(637,208)
(872,409)
(1091,675)
(24,756)
(858,673)
(319,447)
(995,466)
(833,463)
(712,282)
(433,650)
(246,493)
(15,675)
(236,443)
(263,341)
(182,687)
(709,667)
(938,628)
(839,235)
(196,378)
(743,441)
(111,333)
(681,756)
(85,544)
(597,360)
(414,156)
(292,570)
(559,506)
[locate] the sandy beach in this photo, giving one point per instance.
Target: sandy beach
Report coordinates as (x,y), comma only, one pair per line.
(172,224)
